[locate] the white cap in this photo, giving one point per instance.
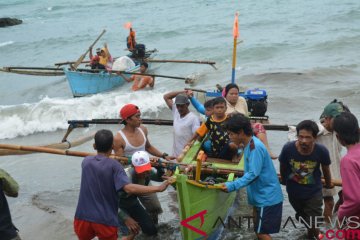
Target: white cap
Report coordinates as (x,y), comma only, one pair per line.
(141,161)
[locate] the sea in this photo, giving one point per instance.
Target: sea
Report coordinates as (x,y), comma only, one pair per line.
(303,53)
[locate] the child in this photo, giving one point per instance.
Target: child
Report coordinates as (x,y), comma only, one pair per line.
(143,209)
(101,179)
(214,126)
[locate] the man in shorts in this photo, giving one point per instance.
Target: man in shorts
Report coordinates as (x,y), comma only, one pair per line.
(101,179)
(300,163)
(260,178)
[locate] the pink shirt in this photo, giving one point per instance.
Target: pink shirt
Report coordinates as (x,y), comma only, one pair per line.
(350,174)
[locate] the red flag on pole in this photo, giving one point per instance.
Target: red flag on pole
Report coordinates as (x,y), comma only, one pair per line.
(236,26)
(127,25)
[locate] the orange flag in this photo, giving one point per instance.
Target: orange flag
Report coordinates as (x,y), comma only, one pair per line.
(236,26)
(127,25)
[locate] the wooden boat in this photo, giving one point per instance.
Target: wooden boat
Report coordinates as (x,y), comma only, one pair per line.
(84,83)
(196,197)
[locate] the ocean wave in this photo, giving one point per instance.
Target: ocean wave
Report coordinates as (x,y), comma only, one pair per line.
(338,44)
(3,44)
(51,114)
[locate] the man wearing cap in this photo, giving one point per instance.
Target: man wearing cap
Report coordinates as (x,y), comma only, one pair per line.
(185,122)
(134,215)
(133,137)
(327,137)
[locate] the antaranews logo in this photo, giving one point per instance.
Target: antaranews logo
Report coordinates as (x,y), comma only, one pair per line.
(185,223)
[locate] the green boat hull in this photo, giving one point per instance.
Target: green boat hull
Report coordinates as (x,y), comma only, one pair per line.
(197,199)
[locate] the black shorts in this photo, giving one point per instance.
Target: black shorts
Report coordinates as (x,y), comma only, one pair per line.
(307,209)
(268,219)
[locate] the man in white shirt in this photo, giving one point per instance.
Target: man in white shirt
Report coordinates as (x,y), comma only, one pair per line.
(328,138)
(185,122)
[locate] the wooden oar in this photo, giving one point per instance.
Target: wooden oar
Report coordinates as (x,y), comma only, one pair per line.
(39,149)
(124,160)
(81,58)
(62,145)
(57,151)
(69,62)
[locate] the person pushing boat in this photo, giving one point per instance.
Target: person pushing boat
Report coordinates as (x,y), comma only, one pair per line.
(140,212)
(8,187)
(101,179)
(300,163)
(260,178)
(140,81)
(185,121)
(133,137)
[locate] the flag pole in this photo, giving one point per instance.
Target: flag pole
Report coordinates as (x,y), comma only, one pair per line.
(236,35)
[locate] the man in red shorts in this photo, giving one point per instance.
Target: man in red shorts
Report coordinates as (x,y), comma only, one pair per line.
(101,179)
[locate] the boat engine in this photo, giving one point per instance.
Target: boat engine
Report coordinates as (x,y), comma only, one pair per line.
(257,101)
(139,51)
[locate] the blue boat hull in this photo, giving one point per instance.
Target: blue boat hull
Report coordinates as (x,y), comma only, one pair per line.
(87,83)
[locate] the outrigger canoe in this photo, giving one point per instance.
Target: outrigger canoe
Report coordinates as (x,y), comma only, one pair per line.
(201,203)
(84,83)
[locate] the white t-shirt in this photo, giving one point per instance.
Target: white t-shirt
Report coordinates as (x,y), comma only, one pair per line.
(184,129)
(329,140)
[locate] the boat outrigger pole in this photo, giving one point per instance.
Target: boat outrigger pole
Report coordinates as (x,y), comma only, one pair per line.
(85,123)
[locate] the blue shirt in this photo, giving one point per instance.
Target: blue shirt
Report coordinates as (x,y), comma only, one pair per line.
(197,105)
(101,178)
(301,173)
(260,178)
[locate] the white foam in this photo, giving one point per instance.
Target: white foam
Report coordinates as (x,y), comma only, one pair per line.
(51,114)
(3,44)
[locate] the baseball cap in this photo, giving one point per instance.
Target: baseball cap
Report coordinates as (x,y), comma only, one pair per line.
(141,161)
(128,110)
(181,99)
(98,50)
(333,109)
